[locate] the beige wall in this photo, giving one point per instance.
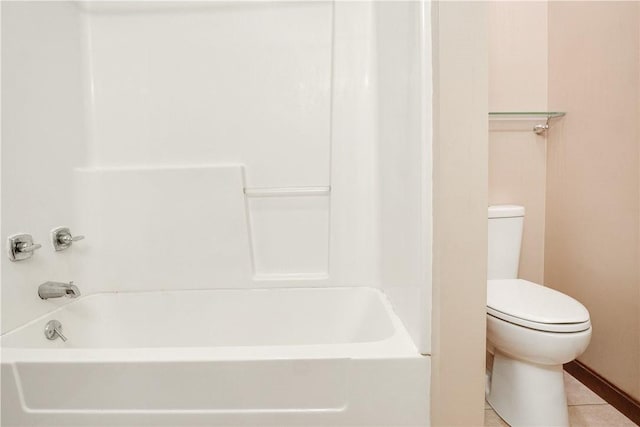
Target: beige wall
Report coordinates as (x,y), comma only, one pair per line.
(593,177)
(460,206)
(517,56)
(588,56)
(517,156)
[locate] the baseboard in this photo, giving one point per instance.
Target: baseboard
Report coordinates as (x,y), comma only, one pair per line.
(603,388)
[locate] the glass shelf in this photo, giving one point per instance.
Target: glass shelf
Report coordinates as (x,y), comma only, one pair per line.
(532,115)
(519,116)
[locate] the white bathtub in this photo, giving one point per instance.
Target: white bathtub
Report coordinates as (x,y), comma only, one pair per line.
(336,356)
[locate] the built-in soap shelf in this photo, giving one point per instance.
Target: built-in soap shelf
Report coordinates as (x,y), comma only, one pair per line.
(289,229)
(539,128)
(287,191)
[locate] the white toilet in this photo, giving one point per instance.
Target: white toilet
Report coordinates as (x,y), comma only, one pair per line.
(531,331)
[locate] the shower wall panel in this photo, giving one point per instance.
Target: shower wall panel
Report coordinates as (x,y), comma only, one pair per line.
(404,161)
(162,228)
(207,82)
(211,84)
(42,141)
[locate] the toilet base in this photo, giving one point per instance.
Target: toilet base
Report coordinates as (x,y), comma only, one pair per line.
(527,394)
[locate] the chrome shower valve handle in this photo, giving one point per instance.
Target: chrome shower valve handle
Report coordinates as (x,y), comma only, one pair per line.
(21,247)
(26,247)
(61,238)
(67,238)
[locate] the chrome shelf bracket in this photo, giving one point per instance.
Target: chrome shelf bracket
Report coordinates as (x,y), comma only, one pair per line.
(541,129)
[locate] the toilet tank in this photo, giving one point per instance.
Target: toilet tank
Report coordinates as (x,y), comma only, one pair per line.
(505,238)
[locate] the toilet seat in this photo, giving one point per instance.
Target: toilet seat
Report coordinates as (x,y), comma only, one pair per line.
(536,307)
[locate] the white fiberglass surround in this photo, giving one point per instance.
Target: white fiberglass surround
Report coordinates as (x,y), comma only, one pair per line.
(217,357)
(224,147)
(284,143)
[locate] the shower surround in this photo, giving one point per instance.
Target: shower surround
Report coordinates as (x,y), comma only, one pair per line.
(253,181)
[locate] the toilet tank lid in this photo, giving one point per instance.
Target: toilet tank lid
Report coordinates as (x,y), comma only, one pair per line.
(506,211)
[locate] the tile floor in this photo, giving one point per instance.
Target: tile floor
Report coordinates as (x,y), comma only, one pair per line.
(586,409)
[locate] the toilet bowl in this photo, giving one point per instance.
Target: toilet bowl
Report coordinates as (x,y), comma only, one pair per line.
(532,331)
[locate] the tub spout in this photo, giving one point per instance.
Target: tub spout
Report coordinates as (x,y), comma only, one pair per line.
(56,290)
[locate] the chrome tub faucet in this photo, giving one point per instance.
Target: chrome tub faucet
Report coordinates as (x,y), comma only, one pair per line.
(56,290)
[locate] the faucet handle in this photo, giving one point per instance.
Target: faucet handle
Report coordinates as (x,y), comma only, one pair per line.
(68,238)
(62,238)
(21,246)
(26,247)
